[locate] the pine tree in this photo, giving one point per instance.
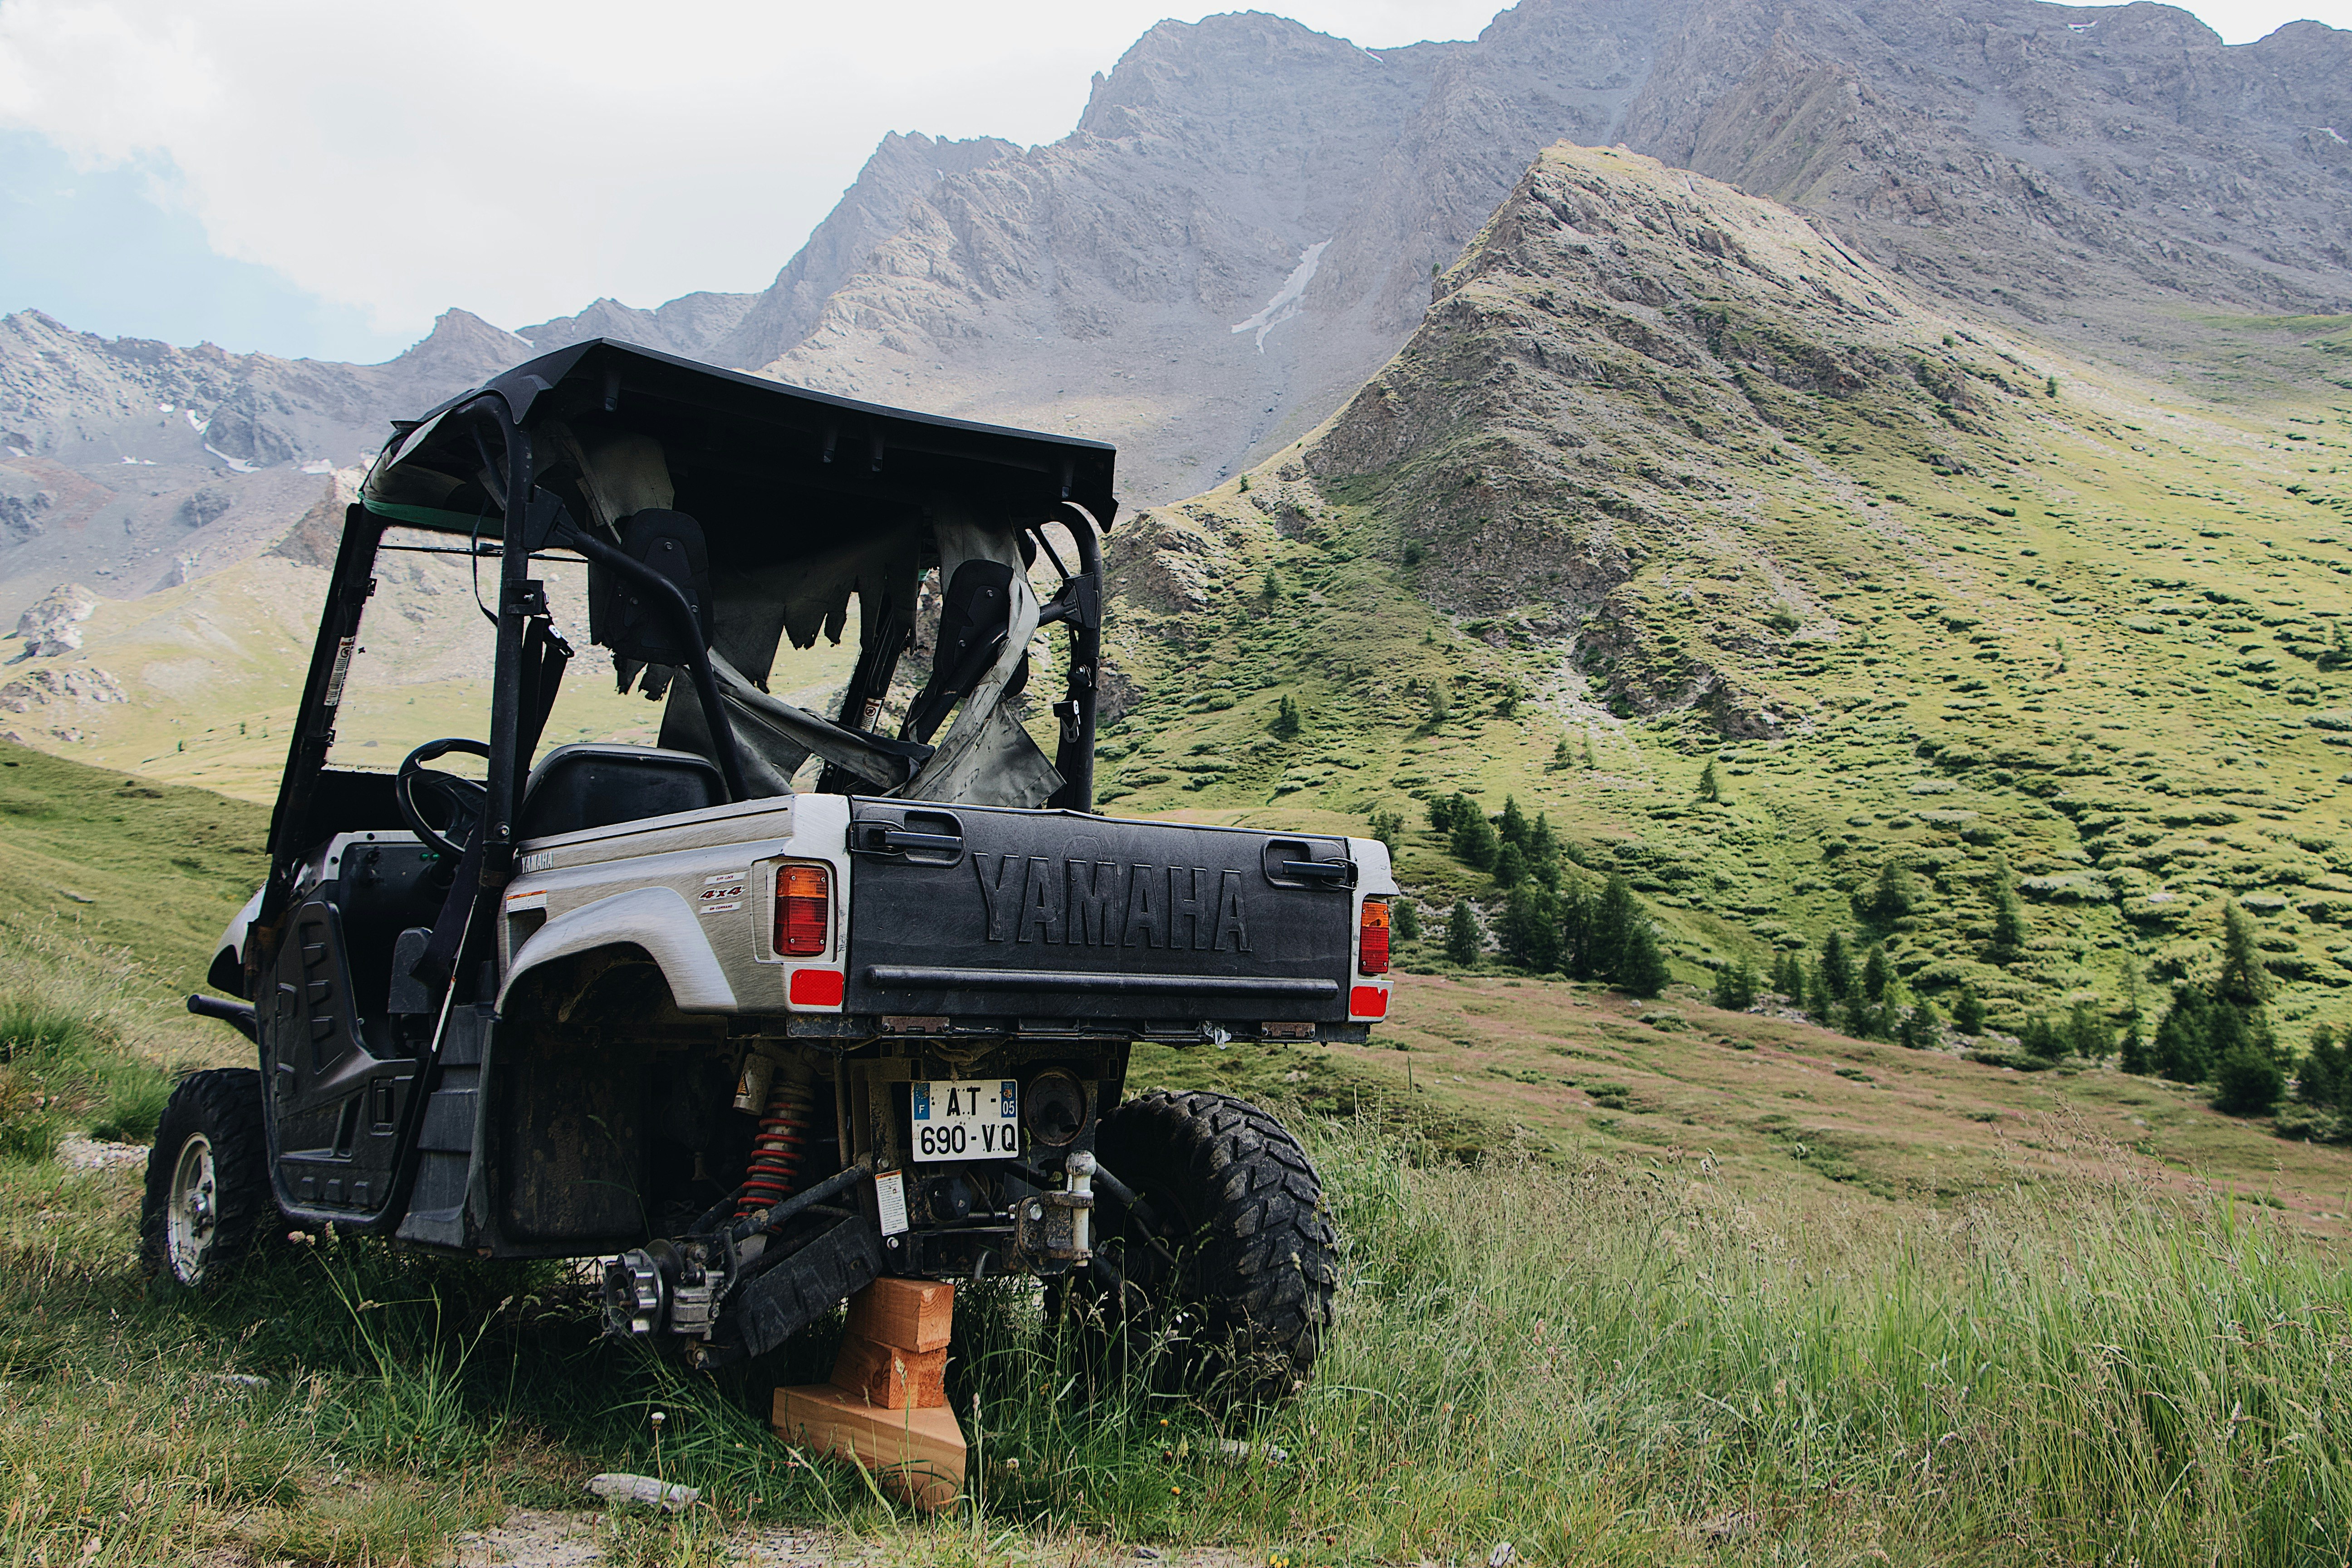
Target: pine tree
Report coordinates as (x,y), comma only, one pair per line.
(1270,587)
(1441,812)
(2040,1039)
(1895,895)
(1590,761)
(1462,942)
(1531,927)
(1404,915)
(1286,718)
(2243,981)
(1877,974)
(2009,928)
(1641,966)
(2182,1050)
(1710,786)
(1615,918)
(2322,1078)
(1510,866)
(1576,932)
(1735,986)
(1561,759)
(2247,1080)
(1788,977)
(1474,842)
(1837,968)
(2132,1056)
(2087,1035)
(1922,1030)
(1388,826)
(1543,853)
(1512,825)
(1968,1013)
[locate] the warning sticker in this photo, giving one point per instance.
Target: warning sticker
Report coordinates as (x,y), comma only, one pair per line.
(339,673)
(890,1197)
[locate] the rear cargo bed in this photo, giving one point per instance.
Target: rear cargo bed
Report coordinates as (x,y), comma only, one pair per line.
(1049,915)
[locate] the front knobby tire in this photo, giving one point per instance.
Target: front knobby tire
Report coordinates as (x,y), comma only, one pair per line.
(1233,1305)
(208,1197)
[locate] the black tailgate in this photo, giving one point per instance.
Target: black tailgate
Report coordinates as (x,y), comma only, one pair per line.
(966,911)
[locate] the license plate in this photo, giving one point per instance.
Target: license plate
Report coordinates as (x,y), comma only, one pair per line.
(977,1119)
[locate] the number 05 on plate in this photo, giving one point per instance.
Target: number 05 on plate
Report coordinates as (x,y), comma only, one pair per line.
(966,1120)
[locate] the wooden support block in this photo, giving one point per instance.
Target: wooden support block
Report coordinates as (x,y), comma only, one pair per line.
(918,1455)
(890,1378)
(905,1314)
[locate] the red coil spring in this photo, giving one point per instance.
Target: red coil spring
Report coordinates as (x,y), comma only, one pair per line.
(775,1149)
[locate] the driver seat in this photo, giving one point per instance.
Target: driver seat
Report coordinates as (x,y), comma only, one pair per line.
(595,784)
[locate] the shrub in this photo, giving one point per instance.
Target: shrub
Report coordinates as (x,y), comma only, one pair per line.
(1287,720)
(1968,1013)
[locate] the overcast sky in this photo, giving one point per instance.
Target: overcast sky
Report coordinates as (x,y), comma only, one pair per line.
(319,178)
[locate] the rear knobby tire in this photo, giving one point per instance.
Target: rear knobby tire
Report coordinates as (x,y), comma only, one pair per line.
(208,1195)
(1239,1316)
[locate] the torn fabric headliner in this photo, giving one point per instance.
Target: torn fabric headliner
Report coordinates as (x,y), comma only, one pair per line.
(805,501)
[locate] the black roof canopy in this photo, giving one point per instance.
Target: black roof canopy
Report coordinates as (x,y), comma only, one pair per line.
(741,448)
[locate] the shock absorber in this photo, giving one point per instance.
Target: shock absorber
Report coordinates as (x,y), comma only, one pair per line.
(776,1149)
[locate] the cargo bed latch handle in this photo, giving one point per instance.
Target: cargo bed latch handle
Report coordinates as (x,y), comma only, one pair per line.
(881,838)
(1338,873)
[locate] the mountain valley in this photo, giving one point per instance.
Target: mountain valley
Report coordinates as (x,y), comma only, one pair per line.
(1908,441)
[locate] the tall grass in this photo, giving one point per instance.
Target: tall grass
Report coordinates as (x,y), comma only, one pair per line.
(1615,1364)
(86,1041)
(1607,1364)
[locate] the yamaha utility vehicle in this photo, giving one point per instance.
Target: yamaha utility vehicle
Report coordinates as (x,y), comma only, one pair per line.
(790,992)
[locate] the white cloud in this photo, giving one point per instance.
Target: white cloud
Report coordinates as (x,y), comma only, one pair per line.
(523,158)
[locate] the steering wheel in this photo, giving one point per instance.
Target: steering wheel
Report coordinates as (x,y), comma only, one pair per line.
(462,800)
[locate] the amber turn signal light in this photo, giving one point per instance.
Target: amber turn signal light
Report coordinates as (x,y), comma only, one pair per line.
(803,910)
(1373,939)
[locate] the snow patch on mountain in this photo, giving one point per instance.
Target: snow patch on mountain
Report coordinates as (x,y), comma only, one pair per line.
(1285,303)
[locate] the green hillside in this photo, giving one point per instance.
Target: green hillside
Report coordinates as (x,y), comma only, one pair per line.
(1667,477)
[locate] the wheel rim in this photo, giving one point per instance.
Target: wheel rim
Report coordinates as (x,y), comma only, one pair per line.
(191,1219)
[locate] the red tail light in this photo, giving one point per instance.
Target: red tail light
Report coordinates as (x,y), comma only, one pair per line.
(1372,938)
(803,910)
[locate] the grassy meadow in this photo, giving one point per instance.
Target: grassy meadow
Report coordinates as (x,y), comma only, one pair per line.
(1623,1282)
